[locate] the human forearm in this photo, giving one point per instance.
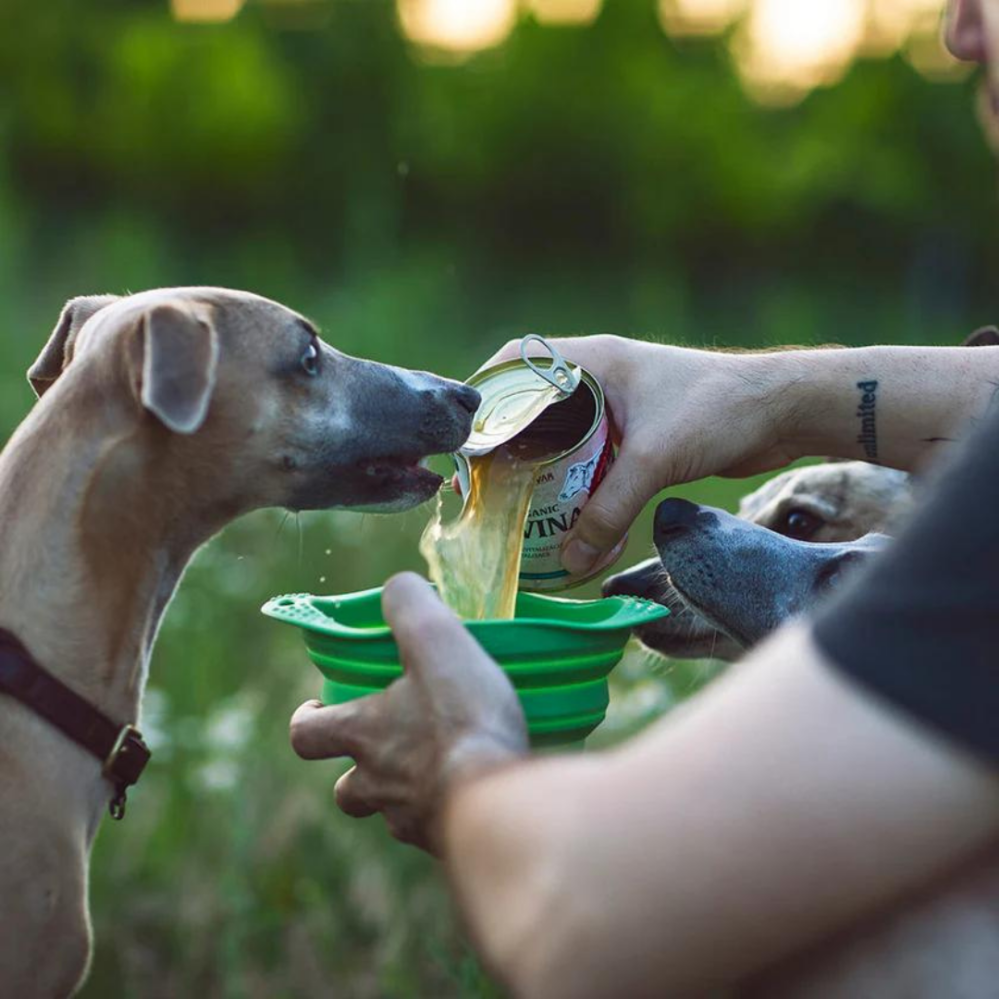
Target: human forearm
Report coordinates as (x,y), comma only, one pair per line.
(777,807)
(893,405)
(508,842)
(681,414)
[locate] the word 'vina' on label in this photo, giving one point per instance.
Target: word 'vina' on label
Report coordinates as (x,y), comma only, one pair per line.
(547,521)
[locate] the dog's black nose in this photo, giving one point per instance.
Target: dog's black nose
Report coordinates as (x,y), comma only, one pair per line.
(672,517)
(467,397)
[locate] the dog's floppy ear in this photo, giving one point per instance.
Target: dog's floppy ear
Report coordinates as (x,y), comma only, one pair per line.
(179,364)
(58,352)
(985,336)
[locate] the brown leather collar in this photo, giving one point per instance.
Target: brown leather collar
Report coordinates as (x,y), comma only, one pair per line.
(120,748)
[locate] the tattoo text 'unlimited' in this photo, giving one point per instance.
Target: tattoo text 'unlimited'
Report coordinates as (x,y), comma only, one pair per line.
(868,436)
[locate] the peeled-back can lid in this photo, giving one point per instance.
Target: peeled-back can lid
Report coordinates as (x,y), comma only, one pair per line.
(515,393)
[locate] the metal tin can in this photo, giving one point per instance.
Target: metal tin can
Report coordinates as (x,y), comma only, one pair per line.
(557,416)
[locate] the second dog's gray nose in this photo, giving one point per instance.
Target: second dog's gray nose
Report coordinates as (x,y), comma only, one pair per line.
(674,516)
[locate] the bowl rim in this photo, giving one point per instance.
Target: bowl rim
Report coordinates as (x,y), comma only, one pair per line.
(301,610)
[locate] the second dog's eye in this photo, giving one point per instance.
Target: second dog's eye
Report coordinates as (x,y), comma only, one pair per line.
(801,524)
(310,360)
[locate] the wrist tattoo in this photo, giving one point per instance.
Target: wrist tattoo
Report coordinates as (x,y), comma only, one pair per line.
(868,436)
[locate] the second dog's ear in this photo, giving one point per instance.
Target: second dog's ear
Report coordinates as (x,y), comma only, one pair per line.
(987,336)
(179,363)
(58,352)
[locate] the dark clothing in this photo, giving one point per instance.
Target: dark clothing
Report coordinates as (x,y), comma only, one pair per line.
(920,628)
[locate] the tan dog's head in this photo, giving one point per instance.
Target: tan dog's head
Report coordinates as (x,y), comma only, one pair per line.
(834,501)
(241,393)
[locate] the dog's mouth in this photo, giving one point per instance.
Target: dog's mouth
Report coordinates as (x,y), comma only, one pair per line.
(402,470)
(394,483)
(686,602)
(386,484)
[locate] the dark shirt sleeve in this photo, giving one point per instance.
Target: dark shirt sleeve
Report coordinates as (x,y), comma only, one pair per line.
(920,627)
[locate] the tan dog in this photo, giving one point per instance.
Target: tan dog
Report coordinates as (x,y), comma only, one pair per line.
(163,416)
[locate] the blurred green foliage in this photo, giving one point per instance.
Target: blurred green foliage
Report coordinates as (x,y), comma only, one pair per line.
(574,180)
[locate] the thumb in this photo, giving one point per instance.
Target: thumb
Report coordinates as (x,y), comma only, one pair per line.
(609,513)
(421,623)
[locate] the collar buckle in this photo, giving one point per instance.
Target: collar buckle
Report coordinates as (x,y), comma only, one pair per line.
(24,679)
(124,765)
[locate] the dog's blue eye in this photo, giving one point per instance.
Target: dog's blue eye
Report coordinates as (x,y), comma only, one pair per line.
(310,360)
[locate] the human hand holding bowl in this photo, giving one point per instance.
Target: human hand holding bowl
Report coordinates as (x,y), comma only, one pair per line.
(453,713)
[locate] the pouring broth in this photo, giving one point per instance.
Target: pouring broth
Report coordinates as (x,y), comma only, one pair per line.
(475,560)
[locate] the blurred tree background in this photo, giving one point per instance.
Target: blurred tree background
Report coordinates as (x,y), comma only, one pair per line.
(427,180)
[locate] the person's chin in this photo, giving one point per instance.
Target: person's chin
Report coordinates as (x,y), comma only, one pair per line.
(988,113)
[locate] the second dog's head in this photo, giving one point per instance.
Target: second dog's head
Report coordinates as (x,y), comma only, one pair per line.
(731,580)
(244,391)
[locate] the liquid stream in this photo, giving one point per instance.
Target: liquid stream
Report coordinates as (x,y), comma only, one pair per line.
(474,560)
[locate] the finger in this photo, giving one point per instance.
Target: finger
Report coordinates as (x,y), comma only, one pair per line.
(572,348)
(319,732)
(410,603)
(508,352)
(406,829)
(609,513)
(423,626)
(351,796)
(421,623)
(408,596)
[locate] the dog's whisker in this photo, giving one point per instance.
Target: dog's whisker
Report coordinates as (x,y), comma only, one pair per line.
(280,528)
(679,612)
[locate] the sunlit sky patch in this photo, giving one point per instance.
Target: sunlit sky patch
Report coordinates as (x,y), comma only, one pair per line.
(782,49)
(457,26)
(699,17)
(205,11)
(564,11)
(786,47)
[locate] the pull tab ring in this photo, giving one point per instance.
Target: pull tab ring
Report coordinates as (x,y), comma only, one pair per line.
(559,374)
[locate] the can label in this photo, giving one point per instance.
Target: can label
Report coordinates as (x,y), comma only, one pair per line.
(564,433)
(561,490)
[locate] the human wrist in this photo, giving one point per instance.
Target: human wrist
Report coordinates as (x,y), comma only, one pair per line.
(480,750)
(767,395)
(886,404)
(471,757)
(796,394)
(624,358)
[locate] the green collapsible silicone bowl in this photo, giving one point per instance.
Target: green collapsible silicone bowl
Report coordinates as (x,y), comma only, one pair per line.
(557,652)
